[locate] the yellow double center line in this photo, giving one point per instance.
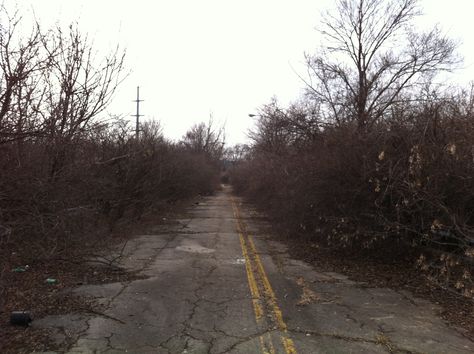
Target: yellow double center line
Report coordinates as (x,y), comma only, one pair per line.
(263,297)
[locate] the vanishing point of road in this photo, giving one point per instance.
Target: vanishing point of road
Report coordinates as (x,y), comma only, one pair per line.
(212,281)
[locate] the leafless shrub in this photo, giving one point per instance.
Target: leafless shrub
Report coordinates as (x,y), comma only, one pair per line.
(22,66)
(205,139)
(68,175)
(377,160)
(404,186)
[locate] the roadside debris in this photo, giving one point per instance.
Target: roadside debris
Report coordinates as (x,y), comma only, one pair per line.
(308,296)
(20,269)
(20,318)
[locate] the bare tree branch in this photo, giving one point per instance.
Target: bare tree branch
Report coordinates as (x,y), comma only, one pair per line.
(359,71)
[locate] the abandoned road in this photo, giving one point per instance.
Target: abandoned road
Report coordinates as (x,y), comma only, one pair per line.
(213,282)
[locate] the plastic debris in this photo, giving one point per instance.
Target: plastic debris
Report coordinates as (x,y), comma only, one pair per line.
(51,281)
(19,269)
(20,318)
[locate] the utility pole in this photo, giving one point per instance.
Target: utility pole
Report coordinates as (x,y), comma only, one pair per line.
(138,115)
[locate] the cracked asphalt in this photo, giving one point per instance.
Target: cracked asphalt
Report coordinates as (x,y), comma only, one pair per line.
(213,283)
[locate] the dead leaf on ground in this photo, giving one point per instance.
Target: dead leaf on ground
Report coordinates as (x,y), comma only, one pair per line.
(308,296)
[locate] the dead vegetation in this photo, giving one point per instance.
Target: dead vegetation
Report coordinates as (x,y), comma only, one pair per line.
(71,177)
(376,159)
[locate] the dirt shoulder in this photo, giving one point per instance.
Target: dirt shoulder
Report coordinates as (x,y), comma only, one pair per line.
(25,286)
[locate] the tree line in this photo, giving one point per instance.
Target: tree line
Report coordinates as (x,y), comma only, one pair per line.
(377,156)
(70,175)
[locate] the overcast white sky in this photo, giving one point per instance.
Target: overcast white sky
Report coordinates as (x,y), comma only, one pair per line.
(225,57)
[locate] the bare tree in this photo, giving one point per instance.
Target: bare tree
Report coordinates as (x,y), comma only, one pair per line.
(237,153)
(22,64)
(78,88)
(278,128)
(371,54)
(205,138)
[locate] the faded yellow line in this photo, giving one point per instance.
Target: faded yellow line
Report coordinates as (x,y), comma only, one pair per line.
(256,300)
(252,283)
(288,345)
(272,348)
(287,342)
(270,298)
(266,285)
(263,345)
(250,276)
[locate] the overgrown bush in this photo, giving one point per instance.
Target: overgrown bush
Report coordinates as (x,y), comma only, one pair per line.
(404,185)
(375,157)
(68,177)
(110,175)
